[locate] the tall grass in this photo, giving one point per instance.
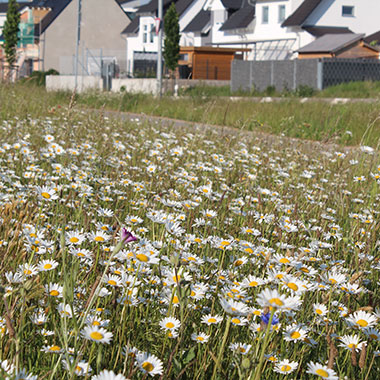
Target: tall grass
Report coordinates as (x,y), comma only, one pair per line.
(219,222)
(346,124)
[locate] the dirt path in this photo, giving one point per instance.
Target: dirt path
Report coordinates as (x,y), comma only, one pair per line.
(224,131)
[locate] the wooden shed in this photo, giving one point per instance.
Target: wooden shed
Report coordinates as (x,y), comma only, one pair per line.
(347,45)
(207,62)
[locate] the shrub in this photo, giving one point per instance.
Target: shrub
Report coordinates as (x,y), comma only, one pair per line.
(38,78)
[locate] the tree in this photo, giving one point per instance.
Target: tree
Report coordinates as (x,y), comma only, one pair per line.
(10,32)
(172,37)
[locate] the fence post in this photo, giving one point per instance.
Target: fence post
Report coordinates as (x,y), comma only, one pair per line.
(320,74)
(271,73)
(250,81)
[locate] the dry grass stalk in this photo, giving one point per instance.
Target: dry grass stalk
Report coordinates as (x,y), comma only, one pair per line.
(363,356)
(354,360)
(333,352)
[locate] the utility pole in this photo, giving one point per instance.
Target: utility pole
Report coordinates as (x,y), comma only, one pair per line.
(78,42)
(159,50)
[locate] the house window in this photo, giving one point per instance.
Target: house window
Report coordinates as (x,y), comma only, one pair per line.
(265,17)
(152,32)
(281,13)
(347,11)
(145,33)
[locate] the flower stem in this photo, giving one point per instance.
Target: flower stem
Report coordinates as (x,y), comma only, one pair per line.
(217,365)
(266,339)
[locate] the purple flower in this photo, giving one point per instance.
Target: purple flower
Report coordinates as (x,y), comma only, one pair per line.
(126,236)
(265,318)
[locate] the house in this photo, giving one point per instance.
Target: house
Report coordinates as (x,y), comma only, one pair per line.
(315,18)
(101,24)
(346,45)
(51,30)
(276,29)
(141,37)
(3,15)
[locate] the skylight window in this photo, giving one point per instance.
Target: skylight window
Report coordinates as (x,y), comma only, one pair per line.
(347,11)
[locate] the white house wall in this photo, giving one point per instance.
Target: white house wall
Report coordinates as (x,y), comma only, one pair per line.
(269,36)
(365,19)
(3,17)
(102,23)
(136,43)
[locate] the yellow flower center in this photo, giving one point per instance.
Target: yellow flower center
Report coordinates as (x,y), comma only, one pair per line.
(142,257)
(147,366)
(286,368)
(200,338)
(96,323)
(235,320)
(45,195)
(74,239)
(319,311)
(54,293)
(54,348)
(112,282)
(253,283)
(276,301)
(321,372)
(284,260)
(169,325)
(48,266)
(99,238)
(212,320)
(96,335)
(295,335)
(292,286)
(362,323)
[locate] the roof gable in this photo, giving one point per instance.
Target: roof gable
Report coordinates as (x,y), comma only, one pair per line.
(232,4)
(199,22)
(239,19)
(4,6)
(56,6)
(373,38)
(299,16)
(319,31)
(152,7)
(331,43)
(133,27)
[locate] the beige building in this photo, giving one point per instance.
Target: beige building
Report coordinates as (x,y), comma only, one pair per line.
(55,35)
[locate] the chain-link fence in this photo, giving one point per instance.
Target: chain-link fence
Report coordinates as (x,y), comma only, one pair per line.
(337,71)
(90,62)
(291,74)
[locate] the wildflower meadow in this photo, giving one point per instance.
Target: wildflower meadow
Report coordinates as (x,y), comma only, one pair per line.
(134,250)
